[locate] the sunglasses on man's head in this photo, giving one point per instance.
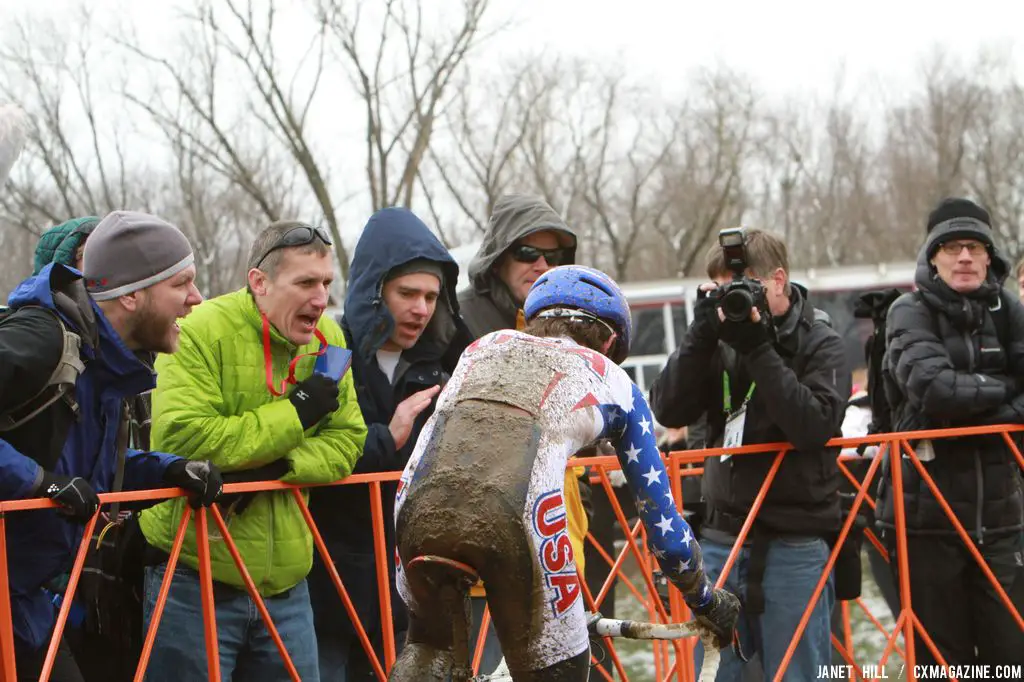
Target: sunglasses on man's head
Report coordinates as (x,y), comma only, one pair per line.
(297,236)
(529,254)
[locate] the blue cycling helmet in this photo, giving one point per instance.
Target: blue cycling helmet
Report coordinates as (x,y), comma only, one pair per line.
(577,287)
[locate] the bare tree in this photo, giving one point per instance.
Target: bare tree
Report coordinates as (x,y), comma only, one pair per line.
(485,135)
(621,161)
(706,181)
(827,199)
(402,100)
(231,43)
(925,146)
(75,162)
(995,159)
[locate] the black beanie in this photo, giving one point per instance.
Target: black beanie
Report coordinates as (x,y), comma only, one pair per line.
(954,207)
(956,218)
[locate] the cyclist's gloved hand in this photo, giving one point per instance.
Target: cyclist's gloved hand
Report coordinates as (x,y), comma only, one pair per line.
(201,478)
(720,616)
(76,497)
(314,398)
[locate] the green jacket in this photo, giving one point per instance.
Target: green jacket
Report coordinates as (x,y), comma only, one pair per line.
(212,402)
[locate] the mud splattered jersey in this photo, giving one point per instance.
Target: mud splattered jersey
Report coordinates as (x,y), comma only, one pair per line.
(577,396)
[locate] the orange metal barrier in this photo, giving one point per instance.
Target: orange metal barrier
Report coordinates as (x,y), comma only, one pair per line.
(666,666)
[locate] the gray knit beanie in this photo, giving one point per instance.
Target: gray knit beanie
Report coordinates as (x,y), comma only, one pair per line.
(129,251)
(415,266)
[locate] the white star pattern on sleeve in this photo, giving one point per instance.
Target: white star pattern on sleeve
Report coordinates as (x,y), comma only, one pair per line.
(665,525)
(632,454)
(684,566)
(645,426)
(687,537)
(653,476)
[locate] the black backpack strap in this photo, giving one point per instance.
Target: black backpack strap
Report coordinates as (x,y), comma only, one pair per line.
(1001,317)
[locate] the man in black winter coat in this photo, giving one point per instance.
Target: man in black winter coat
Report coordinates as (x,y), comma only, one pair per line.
(778,375)
(402,324)
(955,357)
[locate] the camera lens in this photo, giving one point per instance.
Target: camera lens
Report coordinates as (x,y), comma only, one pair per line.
(736,305)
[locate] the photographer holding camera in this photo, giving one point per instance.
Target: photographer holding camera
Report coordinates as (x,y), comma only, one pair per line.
(763,367)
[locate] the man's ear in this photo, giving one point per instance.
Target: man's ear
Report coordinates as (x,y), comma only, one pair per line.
(780,278)
(131,302)
(257,281)
(610,343)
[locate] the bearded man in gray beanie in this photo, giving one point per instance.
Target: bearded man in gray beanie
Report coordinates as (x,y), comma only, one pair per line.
(955,358)
(68,365)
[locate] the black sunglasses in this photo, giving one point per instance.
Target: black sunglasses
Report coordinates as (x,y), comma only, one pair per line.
(529,254)
(297,236)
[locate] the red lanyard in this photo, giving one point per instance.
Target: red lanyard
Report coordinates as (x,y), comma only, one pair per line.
(268,359)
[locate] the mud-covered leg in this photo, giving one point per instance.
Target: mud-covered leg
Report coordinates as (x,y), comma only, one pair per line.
(575,669)
(427,656)
(457,606)
(419,662)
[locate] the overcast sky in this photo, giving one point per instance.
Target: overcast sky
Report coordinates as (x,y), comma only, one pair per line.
(785,45)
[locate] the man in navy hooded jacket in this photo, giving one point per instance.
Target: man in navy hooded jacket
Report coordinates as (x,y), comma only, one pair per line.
(402,324)
(141,279)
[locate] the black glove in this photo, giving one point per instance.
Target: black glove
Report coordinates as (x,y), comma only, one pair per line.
(720,616)
(314,399)
(236,503)
(745,336)
(201,478)
(705,327)
(75,495)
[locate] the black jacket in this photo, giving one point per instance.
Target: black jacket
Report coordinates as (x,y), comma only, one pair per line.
(391,237)
(802,384)
(957,360)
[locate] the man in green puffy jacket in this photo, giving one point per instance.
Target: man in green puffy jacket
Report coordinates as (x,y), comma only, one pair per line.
(241,392)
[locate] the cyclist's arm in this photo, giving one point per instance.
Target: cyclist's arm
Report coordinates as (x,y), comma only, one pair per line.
(669,537)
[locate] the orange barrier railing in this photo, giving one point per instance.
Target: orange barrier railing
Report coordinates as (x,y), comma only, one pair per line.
(666,667)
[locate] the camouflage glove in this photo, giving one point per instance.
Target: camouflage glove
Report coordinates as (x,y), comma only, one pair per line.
(719,617)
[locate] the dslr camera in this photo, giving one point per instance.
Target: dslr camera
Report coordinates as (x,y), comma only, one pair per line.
(742,294)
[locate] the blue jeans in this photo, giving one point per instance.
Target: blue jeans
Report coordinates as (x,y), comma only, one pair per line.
(792,570)
(247,652)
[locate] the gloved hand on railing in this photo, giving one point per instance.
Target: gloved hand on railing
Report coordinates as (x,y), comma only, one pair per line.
(720,617)
(236,503)
(201,478)
(76,497)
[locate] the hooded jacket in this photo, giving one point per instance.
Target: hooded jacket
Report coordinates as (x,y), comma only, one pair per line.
(488,304)
(801,384)
(957,360)
(41,543)
(391,238)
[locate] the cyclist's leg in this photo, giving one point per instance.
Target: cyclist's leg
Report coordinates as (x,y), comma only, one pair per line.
(427,653)
(536,601)
(575,669)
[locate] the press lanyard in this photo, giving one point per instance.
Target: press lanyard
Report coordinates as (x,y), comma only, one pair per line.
(268,359)
(727,394)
